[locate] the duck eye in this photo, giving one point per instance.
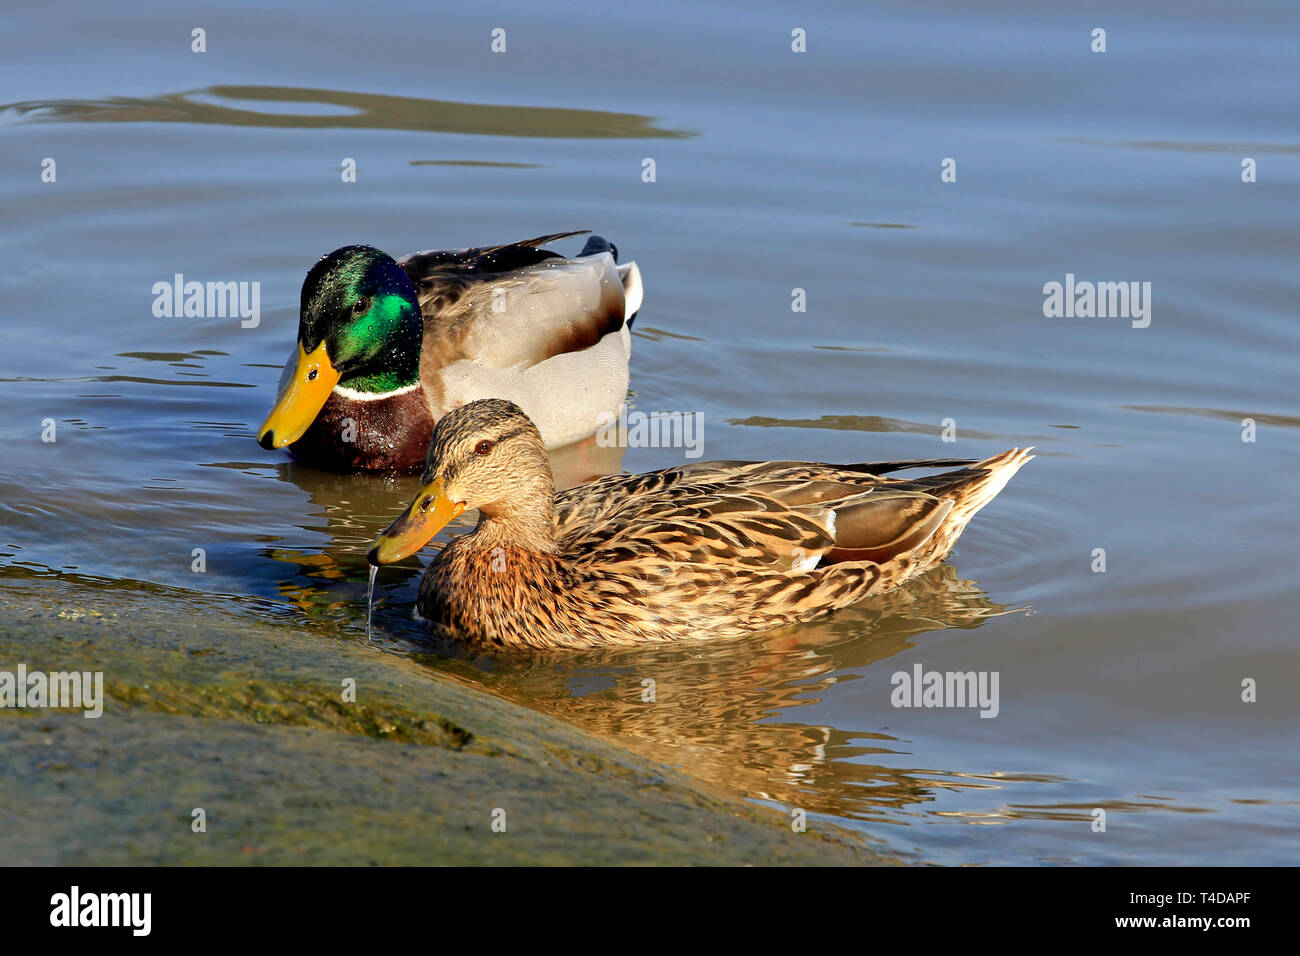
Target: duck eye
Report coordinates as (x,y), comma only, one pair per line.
(483,447)
(424,505)
(362,305)
(311,376)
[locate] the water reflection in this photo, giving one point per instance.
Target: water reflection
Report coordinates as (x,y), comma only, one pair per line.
(721,710)
(342,109)
(854,423)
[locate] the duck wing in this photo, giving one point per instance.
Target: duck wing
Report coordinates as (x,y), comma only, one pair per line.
(426,268)
(516,304)
(778,515)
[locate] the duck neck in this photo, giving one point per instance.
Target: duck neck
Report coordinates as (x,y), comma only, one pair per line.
(400,375)
(396,364)
(527,521)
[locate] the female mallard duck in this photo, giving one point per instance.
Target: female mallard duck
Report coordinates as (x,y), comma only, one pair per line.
(705,549)
(386,348)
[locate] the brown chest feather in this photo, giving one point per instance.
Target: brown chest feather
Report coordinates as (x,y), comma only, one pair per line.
(386,434)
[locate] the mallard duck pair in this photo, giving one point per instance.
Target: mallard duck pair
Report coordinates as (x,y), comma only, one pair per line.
(489,357)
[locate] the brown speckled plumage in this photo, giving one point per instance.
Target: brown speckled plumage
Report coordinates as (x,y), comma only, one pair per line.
(701,550)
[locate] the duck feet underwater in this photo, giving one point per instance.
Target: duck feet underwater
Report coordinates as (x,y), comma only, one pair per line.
(385,348)
(706,549)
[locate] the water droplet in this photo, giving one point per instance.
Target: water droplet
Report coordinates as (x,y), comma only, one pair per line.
(370,600)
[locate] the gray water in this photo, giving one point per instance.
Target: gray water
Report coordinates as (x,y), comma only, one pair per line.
(774,171)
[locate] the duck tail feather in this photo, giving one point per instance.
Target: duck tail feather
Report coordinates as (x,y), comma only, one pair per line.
(598,244)
(884,467)
(633,293)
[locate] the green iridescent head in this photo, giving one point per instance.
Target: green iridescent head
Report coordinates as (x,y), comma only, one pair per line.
(359,327)
(363,307)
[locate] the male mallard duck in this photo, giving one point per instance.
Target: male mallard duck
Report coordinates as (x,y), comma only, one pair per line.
(704,549)
(386,348)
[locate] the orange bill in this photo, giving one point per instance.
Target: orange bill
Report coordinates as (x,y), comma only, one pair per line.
(303,397)
(427,514)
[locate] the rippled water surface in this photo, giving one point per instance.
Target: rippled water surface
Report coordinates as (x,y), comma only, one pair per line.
(775,171)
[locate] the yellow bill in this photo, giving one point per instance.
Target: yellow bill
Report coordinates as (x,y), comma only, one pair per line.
(303,397)
(427,514)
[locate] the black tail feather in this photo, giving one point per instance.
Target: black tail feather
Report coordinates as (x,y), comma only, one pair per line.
(598,244)
(884,467)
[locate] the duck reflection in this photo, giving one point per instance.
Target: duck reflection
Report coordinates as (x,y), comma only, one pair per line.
(719,710)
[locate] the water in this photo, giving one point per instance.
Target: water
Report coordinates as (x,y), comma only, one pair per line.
(775,171)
